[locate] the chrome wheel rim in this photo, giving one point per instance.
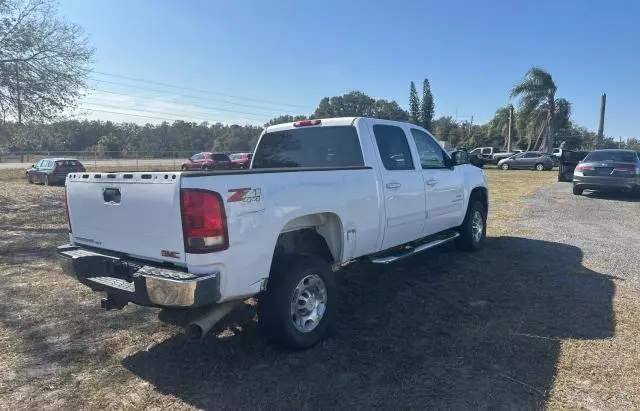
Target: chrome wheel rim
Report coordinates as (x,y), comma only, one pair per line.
(505,166)
(539,167)
(477,227)
(308,303)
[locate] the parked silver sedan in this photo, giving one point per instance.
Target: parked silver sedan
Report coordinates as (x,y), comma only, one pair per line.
(529,160)
(608,170)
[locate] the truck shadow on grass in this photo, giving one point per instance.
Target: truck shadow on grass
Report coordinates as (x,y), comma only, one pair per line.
(441,330)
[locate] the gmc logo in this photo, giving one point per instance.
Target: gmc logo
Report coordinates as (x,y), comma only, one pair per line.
(170,254)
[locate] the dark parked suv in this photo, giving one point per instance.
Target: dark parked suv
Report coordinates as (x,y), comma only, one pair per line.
(608,170)
(52,171)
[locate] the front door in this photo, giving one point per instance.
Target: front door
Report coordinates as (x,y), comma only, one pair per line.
(402,185)
(444,185)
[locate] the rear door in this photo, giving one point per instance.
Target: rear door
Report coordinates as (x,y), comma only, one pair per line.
(444,185)
(402,185)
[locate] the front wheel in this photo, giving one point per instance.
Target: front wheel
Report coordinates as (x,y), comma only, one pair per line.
(540,167)
(29,179)
(46,180)
(504,166)
(473,230)
(299,307)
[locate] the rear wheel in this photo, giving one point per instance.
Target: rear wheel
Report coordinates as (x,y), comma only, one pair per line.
(540,167)
(473,229)
(299,307)
(577,191)
(504,166)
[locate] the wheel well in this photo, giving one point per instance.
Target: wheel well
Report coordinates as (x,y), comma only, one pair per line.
(480,193)
(319,234)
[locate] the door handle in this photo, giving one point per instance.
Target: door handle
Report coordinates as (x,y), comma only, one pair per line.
(393,186)
(431,182)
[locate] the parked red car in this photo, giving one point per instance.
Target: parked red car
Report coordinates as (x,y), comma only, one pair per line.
(241,160)
(207,161)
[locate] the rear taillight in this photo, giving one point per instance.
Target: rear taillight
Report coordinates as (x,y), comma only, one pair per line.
(584,167)
(204,223)
(66,207)
(626,170)
(306,123)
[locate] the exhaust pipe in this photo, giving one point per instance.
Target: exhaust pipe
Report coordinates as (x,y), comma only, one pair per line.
(203,324)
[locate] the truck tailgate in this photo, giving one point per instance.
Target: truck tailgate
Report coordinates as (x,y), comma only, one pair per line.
(134,213)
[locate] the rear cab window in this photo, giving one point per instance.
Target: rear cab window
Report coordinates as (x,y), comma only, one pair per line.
(324,146)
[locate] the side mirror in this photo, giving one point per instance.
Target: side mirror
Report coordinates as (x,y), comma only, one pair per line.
(459,157)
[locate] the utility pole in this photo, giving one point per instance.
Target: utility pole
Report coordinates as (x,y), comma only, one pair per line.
(18,93)
(603,103)
(509,135)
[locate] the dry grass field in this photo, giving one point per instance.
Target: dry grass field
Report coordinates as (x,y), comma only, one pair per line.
(522,324)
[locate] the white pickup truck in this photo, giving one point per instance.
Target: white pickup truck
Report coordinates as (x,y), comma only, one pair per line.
(319,194)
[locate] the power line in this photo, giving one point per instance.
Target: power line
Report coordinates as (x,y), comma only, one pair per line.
(128,114)
(199,90)
(100,103)
(271,109)
(145,111)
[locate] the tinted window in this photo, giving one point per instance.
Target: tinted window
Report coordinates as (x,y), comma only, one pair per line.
(220,157)
(67,163)
(393,147)
(336,146)
(531,155)
(198,156)
(614,156)
(430,152)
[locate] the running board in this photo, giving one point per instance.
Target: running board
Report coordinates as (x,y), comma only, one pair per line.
(423,247)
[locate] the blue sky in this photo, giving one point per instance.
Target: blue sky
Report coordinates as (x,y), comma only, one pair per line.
(296,52)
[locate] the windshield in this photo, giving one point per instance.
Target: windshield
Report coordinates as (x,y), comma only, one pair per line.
(336,146)
(611,156)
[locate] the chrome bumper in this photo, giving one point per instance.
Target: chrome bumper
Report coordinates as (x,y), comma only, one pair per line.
(139,282)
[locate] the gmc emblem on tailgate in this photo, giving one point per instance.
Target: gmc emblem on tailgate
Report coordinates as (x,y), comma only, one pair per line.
(170,254)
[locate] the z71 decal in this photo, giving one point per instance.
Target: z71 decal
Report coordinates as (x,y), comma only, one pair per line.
(245,195)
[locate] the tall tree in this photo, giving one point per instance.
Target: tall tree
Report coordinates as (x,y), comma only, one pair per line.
(537,91)
(357,103)
(414,104)
(500,123)
(44,60)
(428,107)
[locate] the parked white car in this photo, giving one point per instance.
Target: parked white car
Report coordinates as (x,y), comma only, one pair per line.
(319,194)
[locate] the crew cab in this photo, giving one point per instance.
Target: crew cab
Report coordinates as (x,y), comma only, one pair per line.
(319,195)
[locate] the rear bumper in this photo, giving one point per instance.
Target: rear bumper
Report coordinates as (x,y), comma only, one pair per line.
(605,183)
(136,282)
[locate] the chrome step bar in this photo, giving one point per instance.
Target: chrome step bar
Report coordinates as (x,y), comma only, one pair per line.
(423,247)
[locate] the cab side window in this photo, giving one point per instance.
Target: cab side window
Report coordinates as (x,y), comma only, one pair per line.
(393,147)
(430,152)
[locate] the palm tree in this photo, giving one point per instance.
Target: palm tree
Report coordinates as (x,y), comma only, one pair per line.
(537,92)
(500,123)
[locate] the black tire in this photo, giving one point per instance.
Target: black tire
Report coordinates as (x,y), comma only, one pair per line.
(183,168)
(577,191)
(46,180)
(539,167)
(467,241)
(505,166)
(635,192)
(29,178)
(561,177)
(275,314)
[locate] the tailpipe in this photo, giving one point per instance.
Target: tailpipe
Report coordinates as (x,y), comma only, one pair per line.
(197,329)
